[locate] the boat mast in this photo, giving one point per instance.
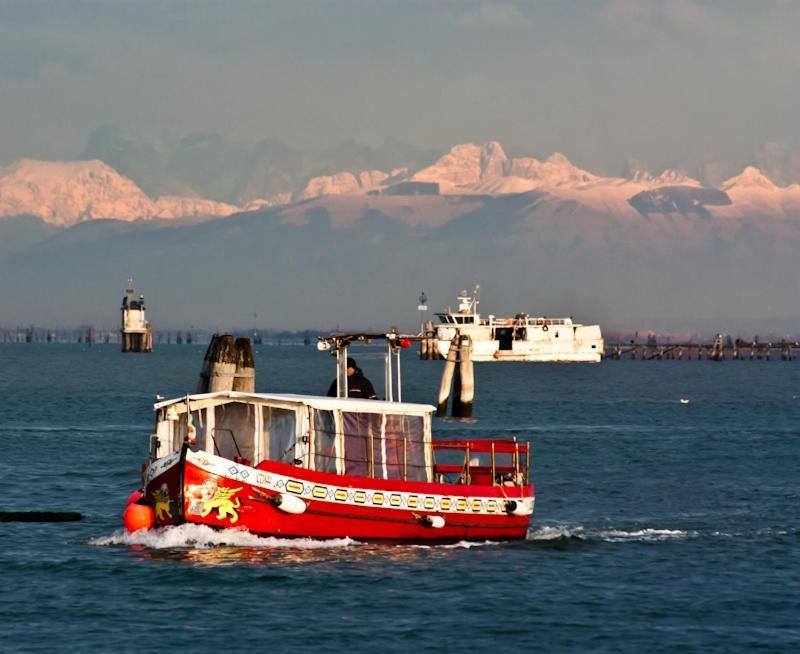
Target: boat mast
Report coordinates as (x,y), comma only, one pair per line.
(338,345)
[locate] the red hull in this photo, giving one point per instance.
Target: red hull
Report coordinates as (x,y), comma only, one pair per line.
(208,490)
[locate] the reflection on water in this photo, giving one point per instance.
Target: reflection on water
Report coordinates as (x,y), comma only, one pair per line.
(362,554)
(204,546)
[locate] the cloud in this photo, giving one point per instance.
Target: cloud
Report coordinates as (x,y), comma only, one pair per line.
(682,15)
(498,16)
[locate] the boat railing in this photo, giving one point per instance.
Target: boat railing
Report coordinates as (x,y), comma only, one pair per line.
(482,462)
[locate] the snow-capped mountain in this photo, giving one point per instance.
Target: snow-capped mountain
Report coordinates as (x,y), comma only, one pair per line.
(64,193)
(470,169)
(67,192)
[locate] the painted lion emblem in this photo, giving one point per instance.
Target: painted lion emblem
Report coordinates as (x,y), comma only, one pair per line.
(209,496)
(162,505)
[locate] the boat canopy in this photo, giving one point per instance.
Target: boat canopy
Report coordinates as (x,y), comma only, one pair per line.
(366,438)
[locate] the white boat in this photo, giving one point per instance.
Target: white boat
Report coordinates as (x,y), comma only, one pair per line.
(521,338)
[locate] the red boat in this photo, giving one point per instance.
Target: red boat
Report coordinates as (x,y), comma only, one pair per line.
(320,467)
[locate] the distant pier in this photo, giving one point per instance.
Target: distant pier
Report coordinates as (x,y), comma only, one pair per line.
(720,349)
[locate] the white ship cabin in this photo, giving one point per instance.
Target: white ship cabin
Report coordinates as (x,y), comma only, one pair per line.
(365,438)
(467,314)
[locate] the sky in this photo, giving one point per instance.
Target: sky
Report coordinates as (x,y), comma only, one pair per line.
(606,82)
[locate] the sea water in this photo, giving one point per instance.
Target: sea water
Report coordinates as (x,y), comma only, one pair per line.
(660,525)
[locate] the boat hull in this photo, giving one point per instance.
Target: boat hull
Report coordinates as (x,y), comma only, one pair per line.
(490,351)
(196,487)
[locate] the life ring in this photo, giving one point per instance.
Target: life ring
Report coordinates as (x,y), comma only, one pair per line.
(545,328)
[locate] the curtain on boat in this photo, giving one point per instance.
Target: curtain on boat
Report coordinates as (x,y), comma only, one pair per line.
(324,441)
(361,431)
(279,435)
(234,428)
(405,448)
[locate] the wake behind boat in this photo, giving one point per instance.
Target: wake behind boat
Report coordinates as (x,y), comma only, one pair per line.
(521,338)
(331,467)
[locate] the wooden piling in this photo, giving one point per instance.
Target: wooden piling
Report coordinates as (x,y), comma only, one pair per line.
(467,380)
(244,379)
(428,349)
(447,376)
(219,365)
(456,394)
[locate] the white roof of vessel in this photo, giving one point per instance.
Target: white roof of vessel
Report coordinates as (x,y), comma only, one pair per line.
(317,401)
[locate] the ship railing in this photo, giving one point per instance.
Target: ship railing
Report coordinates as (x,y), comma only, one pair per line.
(482,462)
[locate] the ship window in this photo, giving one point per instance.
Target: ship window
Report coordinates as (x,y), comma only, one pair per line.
(405,448)
(361,432)
(324,441)
(234,430)
(279,434)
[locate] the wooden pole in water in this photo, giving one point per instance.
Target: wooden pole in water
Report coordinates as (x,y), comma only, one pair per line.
(219,365)
(244,379)
(466,379)
(456,410)
(447,376)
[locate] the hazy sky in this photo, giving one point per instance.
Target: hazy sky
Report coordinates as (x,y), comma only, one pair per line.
(601,81)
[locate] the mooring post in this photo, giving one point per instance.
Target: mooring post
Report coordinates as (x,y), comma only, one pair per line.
(447,376)
(466,379)
(430,337)
(244,379)
(456,394)
(219,365)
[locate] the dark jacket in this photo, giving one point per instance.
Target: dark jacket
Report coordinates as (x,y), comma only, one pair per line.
(357,386)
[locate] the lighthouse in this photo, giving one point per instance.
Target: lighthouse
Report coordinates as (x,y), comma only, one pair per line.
(137,334)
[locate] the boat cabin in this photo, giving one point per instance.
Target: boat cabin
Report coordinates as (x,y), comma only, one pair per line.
(364,438)
(352,437)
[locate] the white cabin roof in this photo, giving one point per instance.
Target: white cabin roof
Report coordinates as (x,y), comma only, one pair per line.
(321,402)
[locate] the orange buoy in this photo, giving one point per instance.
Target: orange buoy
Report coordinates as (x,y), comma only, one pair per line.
(135,496)
(138,516)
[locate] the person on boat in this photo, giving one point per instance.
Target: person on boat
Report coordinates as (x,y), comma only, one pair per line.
(357,384)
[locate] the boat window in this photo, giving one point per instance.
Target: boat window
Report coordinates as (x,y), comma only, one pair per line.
(324,441)
(405,448)
(279,434)
(361,432)
(234,430)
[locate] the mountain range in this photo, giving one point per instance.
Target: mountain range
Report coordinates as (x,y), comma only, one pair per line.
(64,193)
(355,248)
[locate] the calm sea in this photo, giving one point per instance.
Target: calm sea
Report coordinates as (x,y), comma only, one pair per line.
(660,526)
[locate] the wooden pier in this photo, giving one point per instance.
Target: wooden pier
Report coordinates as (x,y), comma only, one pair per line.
(720,349)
